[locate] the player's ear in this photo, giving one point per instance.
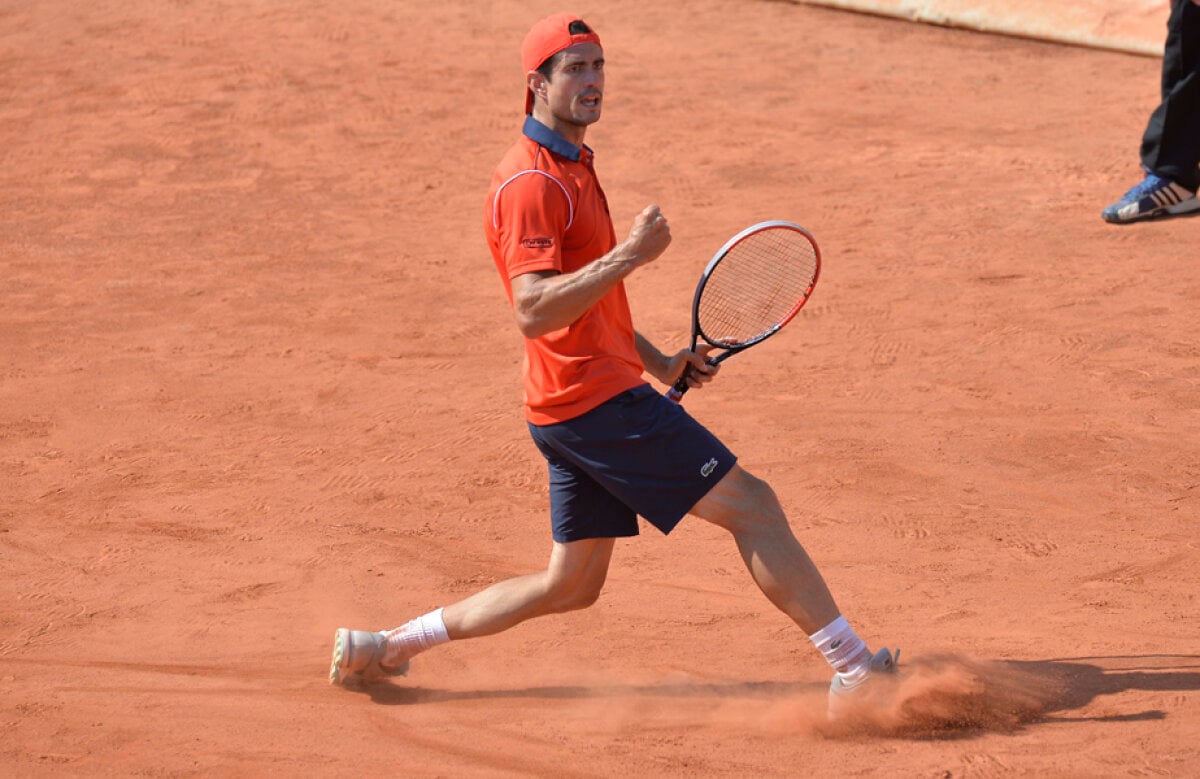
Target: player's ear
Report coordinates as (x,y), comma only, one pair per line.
(536,83)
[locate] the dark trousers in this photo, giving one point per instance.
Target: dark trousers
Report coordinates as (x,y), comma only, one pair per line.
(1171,144)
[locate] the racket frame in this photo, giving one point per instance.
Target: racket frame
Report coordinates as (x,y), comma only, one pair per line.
(676,392)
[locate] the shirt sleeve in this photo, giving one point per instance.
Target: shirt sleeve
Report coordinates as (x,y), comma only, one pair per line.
(532,212)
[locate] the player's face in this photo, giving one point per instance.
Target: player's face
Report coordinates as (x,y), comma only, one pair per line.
(575,90)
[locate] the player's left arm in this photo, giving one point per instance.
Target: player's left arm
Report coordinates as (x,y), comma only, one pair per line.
(667,369)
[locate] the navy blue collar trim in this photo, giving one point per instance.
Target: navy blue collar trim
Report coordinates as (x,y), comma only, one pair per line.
(544,136)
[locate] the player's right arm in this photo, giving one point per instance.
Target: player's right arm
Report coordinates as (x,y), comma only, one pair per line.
(668,368)
(544,301)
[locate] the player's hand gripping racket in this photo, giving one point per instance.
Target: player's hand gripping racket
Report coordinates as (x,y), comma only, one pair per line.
(752,287)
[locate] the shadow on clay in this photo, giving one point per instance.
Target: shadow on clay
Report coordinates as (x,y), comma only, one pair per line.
(1084,679)
(937,697)
(399,694)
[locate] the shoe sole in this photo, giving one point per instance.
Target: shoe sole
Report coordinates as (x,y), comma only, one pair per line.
(341,643)
(1178,209)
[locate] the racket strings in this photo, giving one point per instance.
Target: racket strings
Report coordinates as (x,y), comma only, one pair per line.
(757,287)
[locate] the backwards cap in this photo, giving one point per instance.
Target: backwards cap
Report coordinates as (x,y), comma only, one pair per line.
(547,38)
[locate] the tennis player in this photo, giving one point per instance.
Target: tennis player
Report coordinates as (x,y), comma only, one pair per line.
(614,446)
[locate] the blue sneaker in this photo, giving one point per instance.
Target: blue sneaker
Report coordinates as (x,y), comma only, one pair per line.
(1153,196)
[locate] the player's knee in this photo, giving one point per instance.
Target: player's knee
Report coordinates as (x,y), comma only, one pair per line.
(574,594)
(583,598)
(755,489)
(758,508)
(575,598)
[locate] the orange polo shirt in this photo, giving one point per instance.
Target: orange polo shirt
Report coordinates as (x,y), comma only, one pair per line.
(545,210)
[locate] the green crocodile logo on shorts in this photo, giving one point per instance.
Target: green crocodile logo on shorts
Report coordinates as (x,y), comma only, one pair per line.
(707,469)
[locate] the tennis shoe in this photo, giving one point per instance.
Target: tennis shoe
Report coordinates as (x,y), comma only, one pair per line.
(358,657)
(1152,196)
(843,698)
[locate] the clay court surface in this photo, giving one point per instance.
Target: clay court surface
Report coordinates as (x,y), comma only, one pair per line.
(258,380)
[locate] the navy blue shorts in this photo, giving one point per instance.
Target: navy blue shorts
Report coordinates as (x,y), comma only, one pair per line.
(638,453)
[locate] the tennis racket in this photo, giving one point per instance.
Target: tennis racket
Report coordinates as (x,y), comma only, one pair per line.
(751,288)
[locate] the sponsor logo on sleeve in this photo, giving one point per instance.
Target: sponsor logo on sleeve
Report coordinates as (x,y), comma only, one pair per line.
(707,469)
(537,242)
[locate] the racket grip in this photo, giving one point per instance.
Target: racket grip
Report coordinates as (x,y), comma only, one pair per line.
(675,394)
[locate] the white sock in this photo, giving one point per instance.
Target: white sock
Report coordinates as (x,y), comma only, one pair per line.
(845,652)
(414,637)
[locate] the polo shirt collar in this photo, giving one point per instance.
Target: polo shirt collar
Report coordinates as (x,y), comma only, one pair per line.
(544,136)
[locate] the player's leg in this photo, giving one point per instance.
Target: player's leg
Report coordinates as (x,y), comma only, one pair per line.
(748,508)
(572,580)
(586,519)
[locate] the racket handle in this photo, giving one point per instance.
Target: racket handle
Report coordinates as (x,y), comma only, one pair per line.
(675,394)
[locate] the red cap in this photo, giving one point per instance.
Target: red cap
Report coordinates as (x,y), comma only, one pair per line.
(547,38)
